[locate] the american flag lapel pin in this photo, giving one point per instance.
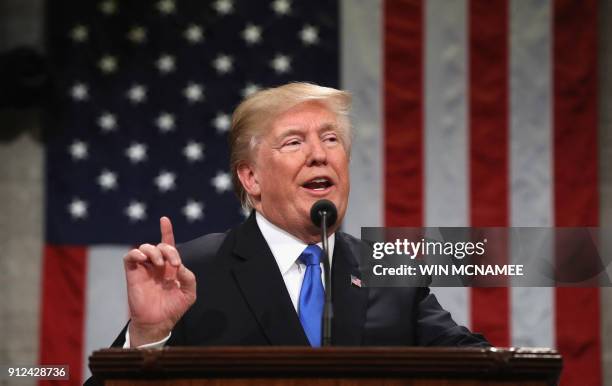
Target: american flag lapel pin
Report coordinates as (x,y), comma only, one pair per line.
(355,281)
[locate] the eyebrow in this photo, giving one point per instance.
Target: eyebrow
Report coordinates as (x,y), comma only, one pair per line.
(297,131)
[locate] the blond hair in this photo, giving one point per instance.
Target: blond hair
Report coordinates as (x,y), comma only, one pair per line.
(253,116)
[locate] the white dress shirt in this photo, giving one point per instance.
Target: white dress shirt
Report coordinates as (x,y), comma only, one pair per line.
(286,250)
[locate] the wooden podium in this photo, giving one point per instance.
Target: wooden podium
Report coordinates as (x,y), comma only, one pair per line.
(414,366)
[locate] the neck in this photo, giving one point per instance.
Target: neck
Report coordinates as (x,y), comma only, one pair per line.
(311,234)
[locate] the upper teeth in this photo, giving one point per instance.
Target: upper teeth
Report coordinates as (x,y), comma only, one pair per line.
(320,180)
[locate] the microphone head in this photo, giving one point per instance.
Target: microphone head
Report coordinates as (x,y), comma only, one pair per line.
(316,212)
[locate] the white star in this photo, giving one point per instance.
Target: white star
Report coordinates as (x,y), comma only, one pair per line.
(108,64)
(166,6)
(223,64)
(281,7)
(137,34)
(165,63)
(222,122)
(165,122)
(165,181)
(194,34)
(107,180)
(249,89)
(193,210)
(193,151)
(107,121)
(77,208)
(137,152)
(79,92)
(78,150)
(79,33)
(193,92)
(222,182)
(281,64)
(223,7)
(137,93)
(245,212)
(136,211)
(309,35)
(252,34)
(108,7)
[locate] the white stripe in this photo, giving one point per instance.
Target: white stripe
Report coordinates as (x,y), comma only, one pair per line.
(106,310)
(446,134)
(361,68)
(531,159)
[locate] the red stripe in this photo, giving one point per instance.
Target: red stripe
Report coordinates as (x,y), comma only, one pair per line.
(63,308)
(403,112)
(576,180)
(488,47)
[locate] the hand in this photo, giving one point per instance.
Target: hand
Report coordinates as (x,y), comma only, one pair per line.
(160,288)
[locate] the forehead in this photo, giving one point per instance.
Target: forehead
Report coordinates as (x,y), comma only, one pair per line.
(305,115)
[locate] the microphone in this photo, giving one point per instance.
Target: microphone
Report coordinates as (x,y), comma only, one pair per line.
(324,214)
(323,208)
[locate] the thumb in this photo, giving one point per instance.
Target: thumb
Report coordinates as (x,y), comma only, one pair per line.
(186,279)
(167,235)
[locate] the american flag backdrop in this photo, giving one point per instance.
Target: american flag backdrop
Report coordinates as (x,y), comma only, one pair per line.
(483,113)
(466,112)
(146,92)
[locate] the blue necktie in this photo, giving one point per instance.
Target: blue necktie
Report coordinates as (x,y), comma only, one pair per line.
(312,295)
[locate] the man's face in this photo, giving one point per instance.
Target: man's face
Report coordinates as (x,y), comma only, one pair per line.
(300,160)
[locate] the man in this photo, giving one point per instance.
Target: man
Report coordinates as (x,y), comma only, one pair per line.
(290,146)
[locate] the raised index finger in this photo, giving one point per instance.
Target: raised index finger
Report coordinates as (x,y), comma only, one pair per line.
(165,226)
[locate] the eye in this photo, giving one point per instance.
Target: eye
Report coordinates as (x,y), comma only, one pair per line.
(291,144)
(330,138)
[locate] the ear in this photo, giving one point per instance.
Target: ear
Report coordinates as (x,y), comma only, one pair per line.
(248,179)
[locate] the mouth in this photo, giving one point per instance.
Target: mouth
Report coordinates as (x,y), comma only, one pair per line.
(318,184)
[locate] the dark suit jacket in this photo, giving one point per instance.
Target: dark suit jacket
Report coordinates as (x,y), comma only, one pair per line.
(242,300)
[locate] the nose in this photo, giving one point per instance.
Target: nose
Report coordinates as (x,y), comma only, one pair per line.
(317,153)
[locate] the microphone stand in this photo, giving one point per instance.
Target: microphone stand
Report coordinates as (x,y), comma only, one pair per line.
(327,310)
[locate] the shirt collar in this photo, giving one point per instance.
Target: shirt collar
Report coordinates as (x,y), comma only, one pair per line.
(285,247)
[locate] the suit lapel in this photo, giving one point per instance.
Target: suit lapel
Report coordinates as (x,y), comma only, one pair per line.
(349,300)
(263,287)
